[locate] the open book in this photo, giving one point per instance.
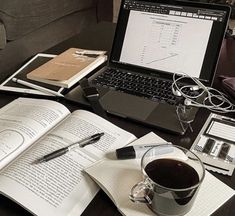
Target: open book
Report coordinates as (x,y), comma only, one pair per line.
(69,67)
(32,128)
(117,177)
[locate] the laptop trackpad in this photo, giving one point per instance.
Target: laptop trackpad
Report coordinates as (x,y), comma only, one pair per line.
(127,105)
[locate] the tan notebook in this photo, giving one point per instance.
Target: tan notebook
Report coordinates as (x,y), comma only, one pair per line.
(69,67)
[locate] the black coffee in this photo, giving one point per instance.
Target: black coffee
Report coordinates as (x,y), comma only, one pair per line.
(172,173)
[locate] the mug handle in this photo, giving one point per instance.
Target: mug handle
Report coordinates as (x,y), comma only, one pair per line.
(141,193)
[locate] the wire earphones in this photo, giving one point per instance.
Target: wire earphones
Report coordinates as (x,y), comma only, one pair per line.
(213,99)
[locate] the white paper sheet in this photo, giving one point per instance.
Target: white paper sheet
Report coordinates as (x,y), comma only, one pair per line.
(116,178)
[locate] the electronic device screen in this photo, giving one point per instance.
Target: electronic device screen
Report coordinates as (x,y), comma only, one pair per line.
(39,59)
(183,38)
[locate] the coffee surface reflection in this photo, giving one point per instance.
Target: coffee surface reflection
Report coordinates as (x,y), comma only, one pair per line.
(172,173)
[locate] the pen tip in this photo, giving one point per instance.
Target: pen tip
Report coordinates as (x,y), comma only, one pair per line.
(38,161)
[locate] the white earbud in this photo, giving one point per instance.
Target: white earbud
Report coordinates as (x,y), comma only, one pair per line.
(176,92)
(195,88)
(187,102)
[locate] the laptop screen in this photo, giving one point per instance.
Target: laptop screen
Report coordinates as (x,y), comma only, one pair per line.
(170,37)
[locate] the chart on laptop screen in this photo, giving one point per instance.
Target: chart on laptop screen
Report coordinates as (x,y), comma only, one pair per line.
(166,42)
(173,37)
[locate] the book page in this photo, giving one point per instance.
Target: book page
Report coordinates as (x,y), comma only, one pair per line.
(117,177)
(23,121)
(60,187)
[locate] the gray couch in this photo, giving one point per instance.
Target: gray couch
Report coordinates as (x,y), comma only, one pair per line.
(31,26)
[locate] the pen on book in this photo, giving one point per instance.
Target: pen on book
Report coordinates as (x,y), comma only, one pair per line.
(82,143)
(36,87)
(89,53)
(137,151)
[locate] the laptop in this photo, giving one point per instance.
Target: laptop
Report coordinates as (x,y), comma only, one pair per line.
(154,40)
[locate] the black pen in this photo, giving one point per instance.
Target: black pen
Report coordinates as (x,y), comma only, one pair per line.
(87,141)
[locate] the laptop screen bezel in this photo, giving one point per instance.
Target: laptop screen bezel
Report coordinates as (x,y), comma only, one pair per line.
(119,28)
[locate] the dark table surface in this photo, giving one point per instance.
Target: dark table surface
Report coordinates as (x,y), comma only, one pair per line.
(100,37)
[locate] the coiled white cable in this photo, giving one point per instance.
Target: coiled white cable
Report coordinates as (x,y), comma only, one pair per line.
(222,105)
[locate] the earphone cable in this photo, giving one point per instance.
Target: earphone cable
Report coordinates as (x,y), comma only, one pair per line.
(222,105)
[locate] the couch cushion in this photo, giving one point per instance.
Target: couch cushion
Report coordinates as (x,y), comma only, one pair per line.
(2,36)
(18,51)
(23,16)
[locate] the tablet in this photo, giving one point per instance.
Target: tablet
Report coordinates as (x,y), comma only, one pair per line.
(36,61)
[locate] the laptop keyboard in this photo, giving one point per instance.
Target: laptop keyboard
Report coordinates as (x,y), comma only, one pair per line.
(144,86)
